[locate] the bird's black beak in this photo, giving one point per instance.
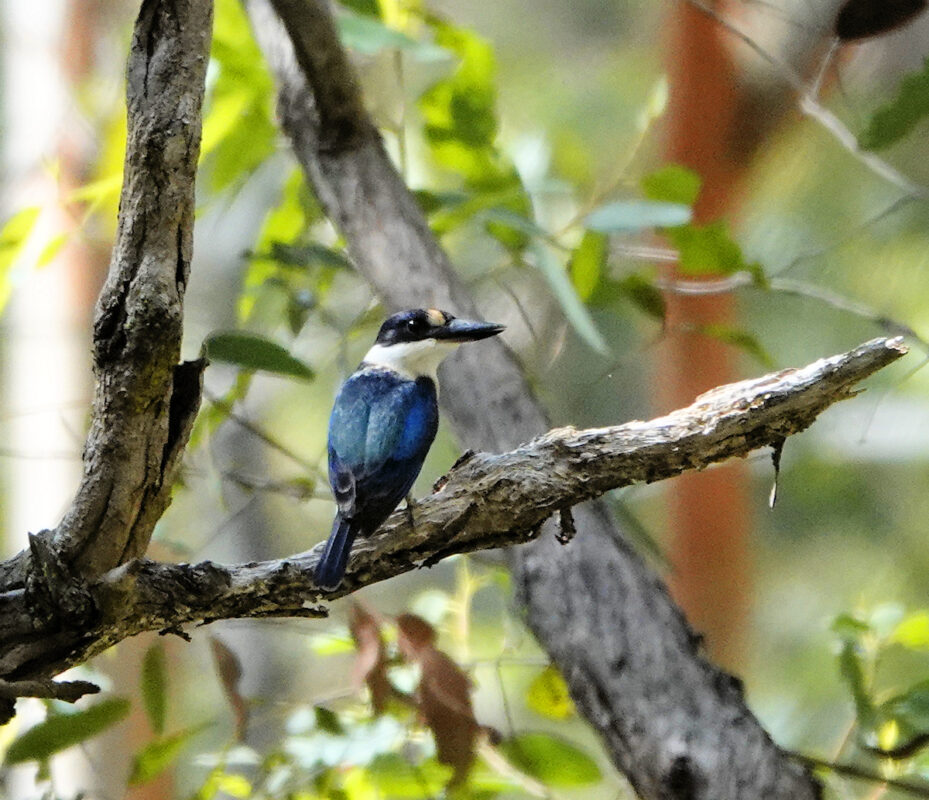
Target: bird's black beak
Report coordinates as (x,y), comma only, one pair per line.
(465,330)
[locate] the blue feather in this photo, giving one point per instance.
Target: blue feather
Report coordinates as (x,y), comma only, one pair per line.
(331,565)
(381,428)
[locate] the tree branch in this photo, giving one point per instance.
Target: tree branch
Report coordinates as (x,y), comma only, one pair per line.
(144,402)
(69,691)
(597,609)
(485,501)
(144,405)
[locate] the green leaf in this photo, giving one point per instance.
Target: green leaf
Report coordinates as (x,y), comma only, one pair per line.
(574,310)
(61,731)
(912,631)
(157,756)
(513,219)
(328,721)
(393,776)
(15,232)
(431,202)
(370,36)
(461,130)
(254,352)
(672,184)
(13,236)
(299,306)
(739,338)
(333,643)
(309,254)
(97,192)
(154,686)
(51,249)
(238,128)
(588,263)
(708,250)
(370,8)
(910,709)
(282,243)
(849,627)
(461,108)
(637,215)
(852,671)
(644,295)
(548,695)
(235,785)
(896,119)
(551,760)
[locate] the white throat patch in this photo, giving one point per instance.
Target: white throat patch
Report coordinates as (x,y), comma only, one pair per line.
(411,359)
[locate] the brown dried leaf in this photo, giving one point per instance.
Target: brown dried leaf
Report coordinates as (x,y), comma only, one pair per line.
(370,666)
(443,696)
(230,673)
(414,635)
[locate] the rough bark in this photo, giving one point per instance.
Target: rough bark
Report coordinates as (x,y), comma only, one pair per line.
(487,500)
(597,609)
(144,401)
(143,404)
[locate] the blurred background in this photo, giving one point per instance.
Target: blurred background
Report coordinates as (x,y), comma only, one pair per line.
(541,143)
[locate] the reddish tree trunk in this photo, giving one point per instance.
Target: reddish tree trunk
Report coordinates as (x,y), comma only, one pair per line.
(709,512)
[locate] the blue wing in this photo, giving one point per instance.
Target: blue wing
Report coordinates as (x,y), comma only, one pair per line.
(380,430)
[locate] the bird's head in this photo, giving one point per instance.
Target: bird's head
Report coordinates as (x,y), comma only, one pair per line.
(415,342)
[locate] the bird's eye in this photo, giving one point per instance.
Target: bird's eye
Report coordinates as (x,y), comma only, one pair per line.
(413,325)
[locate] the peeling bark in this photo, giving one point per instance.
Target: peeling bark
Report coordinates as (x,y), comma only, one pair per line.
(485,501)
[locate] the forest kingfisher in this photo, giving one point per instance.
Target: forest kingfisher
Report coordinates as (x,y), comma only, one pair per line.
(383,422)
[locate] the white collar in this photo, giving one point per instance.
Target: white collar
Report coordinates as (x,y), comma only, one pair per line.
(411,359)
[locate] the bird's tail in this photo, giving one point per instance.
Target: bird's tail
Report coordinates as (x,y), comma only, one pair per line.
(332,563)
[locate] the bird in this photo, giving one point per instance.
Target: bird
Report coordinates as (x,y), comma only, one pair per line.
(383,422)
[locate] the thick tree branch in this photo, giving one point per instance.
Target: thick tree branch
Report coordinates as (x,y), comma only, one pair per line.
(485,501)
(677,726)
(144,402)
(143,405)
(597,609)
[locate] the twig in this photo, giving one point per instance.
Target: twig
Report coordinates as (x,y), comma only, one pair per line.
(811,107)
(862,774)
(740,280)
(69,691)
(259,433)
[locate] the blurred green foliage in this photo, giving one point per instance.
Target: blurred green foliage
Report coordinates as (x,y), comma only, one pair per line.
(890,123)
(531,153)
(59,731)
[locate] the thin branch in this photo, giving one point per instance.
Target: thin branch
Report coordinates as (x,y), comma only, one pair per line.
(260,434)
(862,774)
(812,108)
(486,501)
(68,691)
(840,302)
